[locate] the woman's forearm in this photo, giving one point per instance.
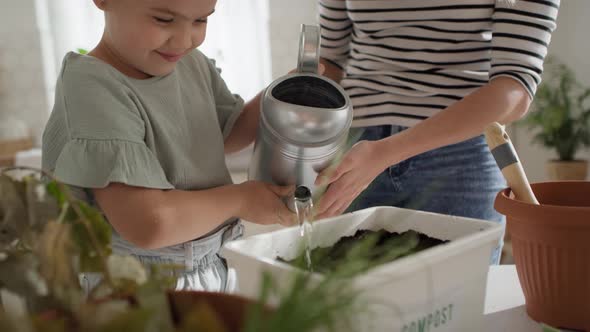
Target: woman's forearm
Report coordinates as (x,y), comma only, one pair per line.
(502,100)
(332,71)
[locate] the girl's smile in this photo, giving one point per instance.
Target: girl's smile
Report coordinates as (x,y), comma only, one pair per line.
(171,57)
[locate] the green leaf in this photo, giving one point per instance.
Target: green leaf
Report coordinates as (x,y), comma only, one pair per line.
(92,235)
(54,190)
(307,305)
(98,224)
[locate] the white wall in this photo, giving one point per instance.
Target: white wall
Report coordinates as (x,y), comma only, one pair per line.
(571,44)
(286,17)
(22,81)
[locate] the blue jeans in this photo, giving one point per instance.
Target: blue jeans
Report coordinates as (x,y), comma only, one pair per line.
(460,179)
(205,269)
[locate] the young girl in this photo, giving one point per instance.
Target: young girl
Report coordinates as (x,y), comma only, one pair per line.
(140,127)
(425,78)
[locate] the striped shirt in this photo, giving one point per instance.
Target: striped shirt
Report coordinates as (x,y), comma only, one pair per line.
(406,60)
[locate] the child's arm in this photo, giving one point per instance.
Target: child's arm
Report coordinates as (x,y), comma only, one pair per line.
(154,218)
(244,131)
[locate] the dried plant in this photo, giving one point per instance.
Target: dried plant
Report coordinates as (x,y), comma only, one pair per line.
(48,238)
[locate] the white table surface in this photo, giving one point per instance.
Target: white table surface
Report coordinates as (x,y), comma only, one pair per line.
(504,305)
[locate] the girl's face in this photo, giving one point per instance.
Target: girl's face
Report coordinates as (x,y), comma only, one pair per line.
(148,37)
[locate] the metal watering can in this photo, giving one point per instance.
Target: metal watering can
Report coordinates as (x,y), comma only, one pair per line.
(304,122)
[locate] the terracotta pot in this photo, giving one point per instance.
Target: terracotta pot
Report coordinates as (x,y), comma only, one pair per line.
(551,244)
(232,308)
(559,170)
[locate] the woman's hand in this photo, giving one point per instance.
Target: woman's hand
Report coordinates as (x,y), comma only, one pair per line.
(331,71)
(359,167)
(262,203)
(321,69)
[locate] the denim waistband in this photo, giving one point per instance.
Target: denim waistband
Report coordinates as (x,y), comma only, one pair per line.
(193,254)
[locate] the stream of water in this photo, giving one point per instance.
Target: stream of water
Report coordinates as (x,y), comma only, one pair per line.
(303,209)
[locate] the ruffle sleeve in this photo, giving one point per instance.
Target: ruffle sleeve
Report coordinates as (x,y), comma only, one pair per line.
(92,163)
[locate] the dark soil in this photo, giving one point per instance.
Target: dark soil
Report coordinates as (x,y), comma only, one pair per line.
(366,249)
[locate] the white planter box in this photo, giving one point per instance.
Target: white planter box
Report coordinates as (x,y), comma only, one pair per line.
(439,289)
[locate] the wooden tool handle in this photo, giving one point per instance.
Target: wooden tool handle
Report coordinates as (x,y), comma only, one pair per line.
(507,159)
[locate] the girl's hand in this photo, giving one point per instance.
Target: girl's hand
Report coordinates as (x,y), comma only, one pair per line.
(359,167)
(262,203)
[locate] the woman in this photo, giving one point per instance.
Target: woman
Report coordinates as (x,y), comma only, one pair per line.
(425,79)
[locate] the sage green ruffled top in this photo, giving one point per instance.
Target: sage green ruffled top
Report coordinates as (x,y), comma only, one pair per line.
(163,132)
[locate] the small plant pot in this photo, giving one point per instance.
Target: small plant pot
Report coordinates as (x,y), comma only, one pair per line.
(232,309)
(229,310)
(560,170)
(551,245)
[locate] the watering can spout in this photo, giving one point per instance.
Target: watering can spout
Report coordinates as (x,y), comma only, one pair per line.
(300,200)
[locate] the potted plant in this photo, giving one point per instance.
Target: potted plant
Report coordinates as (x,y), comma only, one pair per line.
(561,118)
(551,249)
(47,238)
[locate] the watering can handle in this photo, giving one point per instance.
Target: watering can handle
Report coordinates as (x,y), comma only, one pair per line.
(508,162)
(309,49)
